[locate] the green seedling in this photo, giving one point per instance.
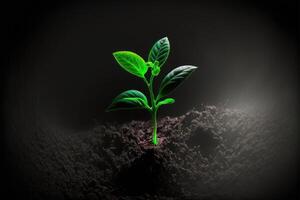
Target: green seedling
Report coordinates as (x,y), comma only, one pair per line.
(136,65)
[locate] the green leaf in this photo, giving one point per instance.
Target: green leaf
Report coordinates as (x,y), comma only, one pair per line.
(174,78)
(131,62)
(128,100)
(160,51)
(166,101)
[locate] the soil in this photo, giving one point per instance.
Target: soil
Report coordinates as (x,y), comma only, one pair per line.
(210,153)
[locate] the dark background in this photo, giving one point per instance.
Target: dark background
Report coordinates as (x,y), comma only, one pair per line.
(61,53)
(58,65)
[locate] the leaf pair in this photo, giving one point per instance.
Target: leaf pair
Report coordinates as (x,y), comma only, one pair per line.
(136,65)
(134,99)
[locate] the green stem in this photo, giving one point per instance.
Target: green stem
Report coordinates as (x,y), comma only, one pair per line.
(153,110)
(154,125)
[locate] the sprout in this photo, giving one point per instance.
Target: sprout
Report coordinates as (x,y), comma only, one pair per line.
(136,65)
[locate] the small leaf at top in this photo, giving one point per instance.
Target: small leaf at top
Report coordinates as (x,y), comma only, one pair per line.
(160,51)
(155,70)
(128,100)
(131,62)
(173,79)
(166,101)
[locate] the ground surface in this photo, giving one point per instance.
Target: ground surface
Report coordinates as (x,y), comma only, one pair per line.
(211,153)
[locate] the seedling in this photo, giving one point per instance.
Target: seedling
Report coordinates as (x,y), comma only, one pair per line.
(136,65)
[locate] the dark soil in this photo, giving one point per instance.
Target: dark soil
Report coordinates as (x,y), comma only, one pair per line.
(212,153)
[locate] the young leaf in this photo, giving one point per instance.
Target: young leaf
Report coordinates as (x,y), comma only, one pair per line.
(174,78)
(166,101)
(155,70)
(131,62)
(130,99)
(160,51)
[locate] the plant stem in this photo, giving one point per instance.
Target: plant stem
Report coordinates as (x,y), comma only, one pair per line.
(153,110)
(154,125)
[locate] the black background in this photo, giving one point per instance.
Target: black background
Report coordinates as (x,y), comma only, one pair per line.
(58,65)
